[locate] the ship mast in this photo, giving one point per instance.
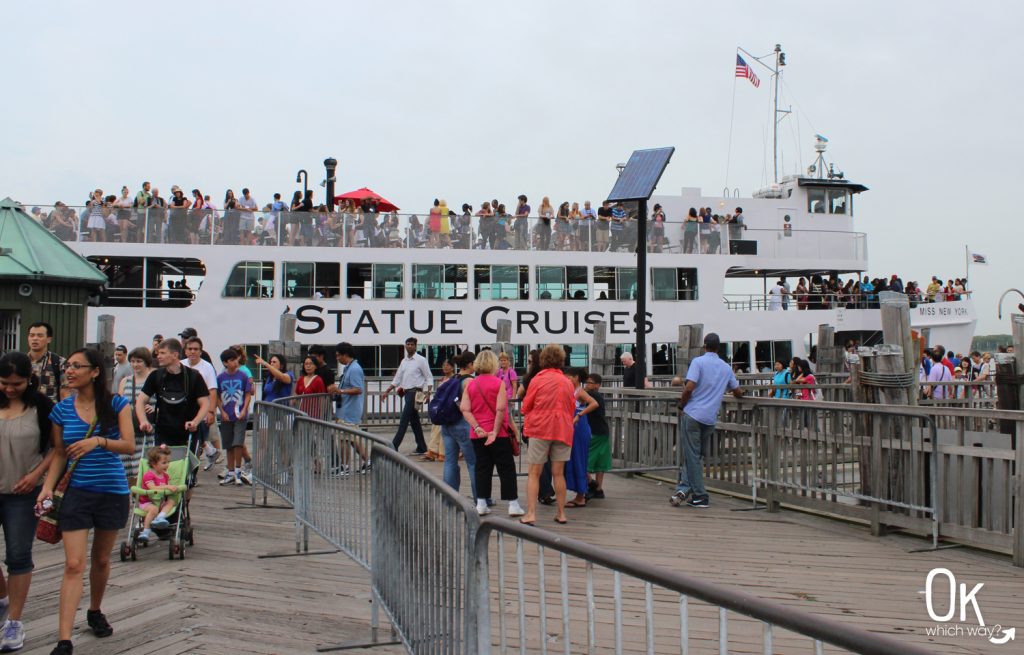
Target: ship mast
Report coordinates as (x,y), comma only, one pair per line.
(777,114)
(780,61)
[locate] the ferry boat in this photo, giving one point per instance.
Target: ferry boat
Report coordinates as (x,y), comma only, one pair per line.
(375,293)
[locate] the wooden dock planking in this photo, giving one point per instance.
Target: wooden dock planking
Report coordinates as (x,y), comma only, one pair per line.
(223,599)
(826,567)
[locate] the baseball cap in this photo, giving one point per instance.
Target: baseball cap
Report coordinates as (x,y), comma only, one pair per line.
(188,333)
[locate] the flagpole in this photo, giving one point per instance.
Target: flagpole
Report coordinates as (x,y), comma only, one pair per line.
(967,262)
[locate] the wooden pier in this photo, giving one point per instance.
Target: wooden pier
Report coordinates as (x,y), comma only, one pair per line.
(225,598)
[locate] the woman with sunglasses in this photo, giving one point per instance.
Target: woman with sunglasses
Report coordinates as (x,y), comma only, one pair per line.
(91,428)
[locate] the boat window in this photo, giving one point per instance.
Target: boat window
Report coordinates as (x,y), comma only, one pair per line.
(149,282)
(562,282)
(520,355)
(766,352)
(738,354)
(501,282)
(837,201)
(312,279)
(663,361)
(376,281)
(815,200)
(250,280)
(576,354)
(674,283)
(440,281)
(438,355)
(615,282)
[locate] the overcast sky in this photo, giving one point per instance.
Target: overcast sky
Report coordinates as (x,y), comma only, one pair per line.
(472,100)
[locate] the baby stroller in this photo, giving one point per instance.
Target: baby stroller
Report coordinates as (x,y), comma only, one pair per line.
(181,474)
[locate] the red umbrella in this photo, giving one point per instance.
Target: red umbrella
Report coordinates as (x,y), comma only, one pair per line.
(364,193)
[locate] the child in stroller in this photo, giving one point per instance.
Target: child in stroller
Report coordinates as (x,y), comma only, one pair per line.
(156,479)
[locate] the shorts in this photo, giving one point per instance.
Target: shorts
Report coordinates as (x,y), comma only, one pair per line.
(232,434)
(18,518)
(538,451)
(599,455)
(82,510)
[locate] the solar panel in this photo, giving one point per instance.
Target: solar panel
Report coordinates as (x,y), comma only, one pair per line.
(641,175)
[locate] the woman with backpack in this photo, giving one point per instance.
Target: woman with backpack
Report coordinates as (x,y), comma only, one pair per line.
(455,434)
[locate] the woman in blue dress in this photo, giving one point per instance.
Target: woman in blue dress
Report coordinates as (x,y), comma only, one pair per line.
(576,467)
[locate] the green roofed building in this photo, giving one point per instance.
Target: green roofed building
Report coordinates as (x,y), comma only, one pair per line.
(41,279)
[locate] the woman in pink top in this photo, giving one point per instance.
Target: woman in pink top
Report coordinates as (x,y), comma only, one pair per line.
(548,407)
(485,408)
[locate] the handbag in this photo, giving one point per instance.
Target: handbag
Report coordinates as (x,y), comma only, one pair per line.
(48,527)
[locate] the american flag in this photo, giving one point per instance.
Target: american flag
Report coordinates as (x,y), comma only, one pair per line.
(977,258)
(742,70)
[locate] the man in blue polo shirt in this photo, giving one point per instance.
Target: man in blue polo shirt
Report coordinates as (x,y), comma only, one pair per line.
(351,391)
(706,382)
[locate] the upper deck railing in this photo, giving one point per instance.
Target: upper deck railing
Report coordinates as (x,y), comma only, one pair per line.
(337,229)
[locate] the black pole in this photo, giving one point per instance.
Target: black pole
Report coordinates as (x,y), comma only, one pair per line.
(331,164)
(641,294)
(303,176)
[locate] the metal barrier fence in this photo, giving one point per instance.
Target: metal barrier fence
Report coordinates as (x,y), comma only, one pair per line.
(430,561)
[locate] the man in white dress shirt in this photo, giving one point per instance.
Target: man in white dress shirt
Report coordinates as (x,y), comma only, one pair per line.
(413,375)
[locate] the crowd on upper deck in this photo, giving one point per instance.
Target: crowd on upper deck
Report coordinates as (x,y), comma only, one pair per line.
(194,217)
(818,292)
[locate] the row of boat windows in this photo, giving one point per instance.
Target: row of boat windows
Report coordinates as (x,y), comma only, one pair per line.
(383,360)
(257,279)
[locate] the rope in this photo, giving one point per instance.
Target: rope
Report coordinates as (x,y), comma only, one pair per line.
(890,380)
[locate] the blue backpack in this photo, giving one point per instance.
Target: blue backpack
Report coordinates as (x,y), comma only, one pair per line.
(443,408)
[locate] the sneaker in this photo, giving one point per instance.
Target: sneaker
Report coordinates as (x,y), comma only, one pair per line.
(482,509)
(223,474)
(160,523)
(677,499)
(145,536)
(237,479)
(700,501)
(227,478)
(99,624)
(63,647)
(247,477)
(515,509)
(365,468)
(596,493)
(13,636)
(419,453)
(340,471)
(210,461)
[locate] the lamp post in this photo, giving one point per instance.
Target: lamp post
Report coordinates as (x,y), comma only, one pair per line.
(303,176)
(331,164)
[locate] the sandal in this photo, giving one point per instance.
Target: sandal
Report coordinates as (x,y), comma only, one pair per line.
(573,503)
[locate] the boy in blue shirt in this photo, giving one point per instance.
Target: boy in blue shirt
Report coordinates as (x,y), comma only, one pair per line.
(235,390)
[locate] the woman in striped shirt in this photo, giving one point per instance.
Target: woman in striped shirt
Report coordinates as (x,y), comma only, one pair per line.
(93,428)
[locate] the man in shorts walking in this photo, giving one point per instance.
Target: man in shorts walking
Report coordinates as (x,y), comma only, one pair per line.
(234,394)
(707,379)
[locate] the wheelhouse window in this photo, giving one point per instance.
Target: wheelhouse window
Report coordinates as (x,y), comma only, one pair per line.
(250,279)
(615,282)
(816,200)
(312,279)
(674,283)
(562,282)
(149,281)
(829,200)
(440,281)
(838,201)
(501,282)
(376,281)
